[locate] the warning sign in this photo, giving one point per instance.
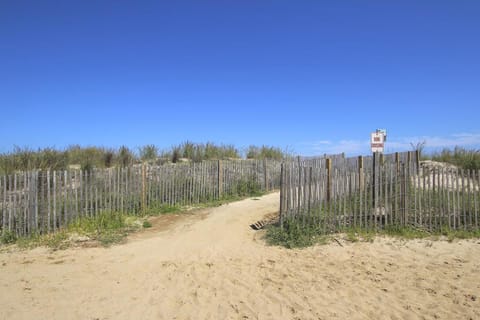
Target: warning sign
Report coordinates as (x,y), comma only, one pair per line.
(377,141)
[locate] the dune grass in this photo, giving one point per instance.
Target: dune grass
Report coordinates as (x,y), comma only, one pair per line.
(460,157)
(296,235)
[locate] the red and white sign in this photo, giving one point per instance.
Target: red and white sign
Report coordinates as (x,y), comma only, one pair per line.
(377,141)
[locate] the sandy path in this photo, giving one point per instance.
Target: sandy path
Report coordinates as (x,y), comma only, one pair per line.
(213,266)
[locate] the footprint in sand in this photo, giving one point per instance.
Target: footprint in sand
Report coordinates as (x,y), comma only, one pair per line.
(27,261)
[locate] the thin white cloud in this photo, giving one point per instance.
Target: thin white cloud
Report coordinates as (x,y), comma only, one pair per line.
(347,146)
(356,147)
(432,142)
(321,142)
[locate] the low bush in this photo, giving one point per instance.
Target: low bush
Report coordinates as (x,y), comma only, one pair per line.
(7,237)
(461,157)
(295,234)
(147,224)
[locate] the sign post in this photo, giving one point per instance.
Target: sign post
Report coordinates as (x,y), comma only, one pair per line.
(377,144)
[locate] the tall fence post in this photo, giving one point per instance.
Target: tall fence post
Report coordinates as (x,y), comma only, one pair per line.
(298,186)
(329,178)
(409,160)
(220,179)
(417,160)
(4,205)
(265,174)
(404,195)
(361,177)
(397,161)
(309,203)
(374,181)
(379,184)
(282,194)
(144,176)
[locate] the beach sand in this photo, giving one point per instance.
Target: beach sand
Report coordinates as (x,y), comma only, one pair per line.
(212,265)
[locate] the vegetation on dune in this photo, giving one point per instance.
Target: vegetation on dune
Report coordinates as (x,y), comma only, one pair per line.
(201,151)
(294,235)
(148,153)
(265,152)
(460,157)
(106,228)
(468,159)
(297,235)
(87,158)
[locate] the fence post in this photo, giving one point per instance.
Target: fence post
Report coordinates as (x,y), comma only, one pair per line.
(409,160)
(4,205)
(37,191)
(265,174)
(360,173)
(379,186)
(417,160)
(329,178)
(220,178)
(144,175)
(397,161)
(405,201)
(374,181)
(310,172)
(282,194)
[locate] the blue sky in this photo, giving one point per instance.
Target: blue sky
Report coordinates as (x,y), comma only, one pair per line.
(312,76)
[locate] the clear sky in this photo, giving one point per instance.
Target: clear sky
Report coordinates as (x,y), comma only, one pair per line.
(314,76)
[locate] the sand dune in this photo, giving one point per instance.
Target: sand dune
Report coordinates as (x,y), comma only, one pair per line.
(212,265)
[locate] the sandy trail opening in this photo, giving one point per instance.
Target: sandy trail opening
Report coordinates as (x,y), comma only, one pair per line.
(212,265)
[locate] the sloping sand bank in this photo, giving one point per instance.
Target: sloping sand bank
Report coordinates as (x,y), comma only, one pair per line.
(213,266)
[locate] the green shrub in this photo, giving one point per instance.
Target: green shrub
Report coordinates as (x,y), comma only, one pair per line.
(156,209)
(247,187)
(265,152)
(57,241)
(8,237)
(109,238)
(147,224)
(149,153)
(103,221)
(125,157)
(293,235)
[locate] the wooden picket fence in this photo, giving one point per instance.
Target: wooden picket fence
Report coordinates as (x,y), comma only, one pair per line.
(380,191)
(44,201)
